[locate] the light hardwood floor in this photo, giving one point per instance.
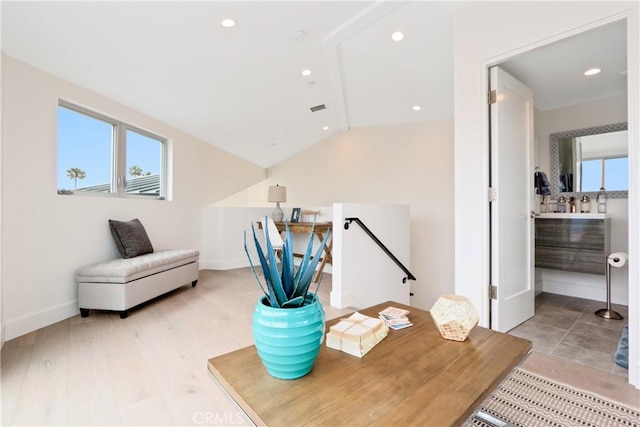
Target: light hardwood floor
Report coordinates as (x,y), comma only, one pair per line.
(151,368)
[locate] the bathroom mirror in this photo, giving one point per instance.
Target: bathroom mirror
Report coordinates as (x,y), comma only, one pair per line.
(583,160)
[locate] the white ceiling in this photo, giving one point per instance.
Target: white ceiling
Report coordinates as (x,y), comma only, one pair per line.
(241,88)
(555,72)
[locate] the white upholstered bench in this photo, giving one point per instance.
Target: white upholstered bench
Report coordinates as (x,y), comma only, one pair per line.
(121,284)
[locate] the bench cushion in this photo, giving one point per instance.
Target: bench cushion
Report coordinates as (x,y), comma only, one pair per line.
(126,270)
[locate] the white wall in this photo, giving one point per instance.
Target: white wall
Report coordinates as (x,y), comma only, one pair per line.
(224,224)
(516,27)
(222,236)
(589,114)
(401,164)
(46,236)
(365,275)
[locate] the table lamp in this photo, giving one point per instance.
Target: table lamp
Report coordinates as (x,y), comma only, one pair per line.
(277,194)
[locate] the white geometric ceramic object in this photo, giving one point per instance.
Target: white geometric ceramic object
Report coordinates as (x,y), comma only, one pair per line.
(454,316)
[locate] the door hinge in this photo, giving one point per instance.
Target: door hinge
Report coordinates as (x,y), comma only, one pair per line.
(493,194)
(493,292)
(493,96)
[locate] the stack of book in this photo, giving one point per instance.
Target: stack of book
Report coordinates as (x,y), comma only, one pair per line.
(357,334)
(395,318)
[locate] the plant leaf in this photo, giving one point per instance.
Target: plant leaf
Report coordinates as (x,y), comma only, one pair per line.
(295,302)
(266,271)
(288,266)
(251,265)
(304,281)
(287,277)
(307,255)
(276,281)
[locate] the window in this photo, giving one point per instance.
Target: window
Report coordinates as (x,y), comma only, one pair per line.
(143,163)
(610,173)
(100,155)
(616,172)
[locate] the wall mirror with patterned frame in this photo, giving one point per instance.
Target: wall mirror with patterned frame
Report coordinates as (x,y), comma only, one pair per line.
(580,160)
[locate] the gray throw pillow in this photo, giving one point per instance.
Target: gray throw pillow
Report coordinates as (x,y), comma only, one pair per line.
(130,237)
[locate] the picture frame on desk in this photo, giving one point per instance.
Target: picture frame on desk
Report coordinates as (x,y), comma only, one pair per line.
(295,215)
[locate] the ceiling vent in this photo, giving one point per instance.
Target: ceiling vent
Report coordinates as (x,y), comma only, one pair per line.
(318,108)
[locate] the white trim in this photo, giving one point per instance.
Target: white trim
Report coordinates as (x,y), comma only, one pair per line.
(224,265)
(2,327)
(34,321)
(582,290)
(485,314)
(243,263)
(341,300)
(633,112)
(633,91)
(118,153)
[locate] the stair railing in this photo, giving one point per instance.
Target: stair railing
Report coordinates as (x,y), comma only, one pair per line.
(373,237)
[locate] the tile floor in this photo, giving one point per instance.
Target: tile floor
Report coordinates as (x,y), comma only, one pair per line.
(567,327)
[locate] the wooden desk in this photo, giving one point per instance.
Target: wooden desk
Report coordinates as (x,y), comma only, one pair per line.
(412,377)
(320,230)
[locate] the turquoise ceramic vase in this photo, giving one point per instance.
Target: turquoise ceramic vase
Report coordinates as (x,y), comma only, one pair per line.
(288,339)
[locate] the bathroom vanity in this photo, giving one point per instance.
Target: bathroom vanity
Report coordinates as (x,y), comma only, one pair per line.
(573,241)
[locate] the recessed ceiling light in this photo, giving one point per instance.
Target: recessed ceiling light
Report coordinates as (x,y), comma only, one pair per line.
(325,128)
(592,71)
(306,72)
(228,22)
(397,36)
(416,108)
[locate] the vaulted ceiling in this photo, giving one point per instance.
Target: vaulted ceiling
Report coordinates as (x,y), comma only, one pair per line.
(242,88)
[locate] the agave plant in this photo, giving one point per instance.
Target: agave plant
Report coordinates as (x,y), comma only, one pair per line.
(286,286)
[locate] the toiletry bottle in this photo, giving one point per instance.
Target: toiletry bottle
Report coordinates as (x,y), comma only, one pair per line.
(553,205)
(562,204)
(601,200)
(572,204)
(585,204)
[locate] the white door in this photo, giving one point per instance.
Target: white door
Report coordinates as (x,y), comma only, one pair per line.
(512,263)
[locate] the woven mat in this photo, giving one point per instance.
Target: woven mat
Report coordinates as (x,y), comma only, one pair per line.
(622,352)
(526,400)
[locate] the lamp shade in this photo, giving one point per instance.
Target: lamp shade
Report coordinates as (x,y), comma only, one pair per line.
(277,193)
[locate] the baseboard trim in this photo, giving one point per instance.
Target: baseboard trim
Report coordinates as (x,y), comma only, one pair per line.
(224,265)
(578,290)
(32,322)
(341,299)
(242,263)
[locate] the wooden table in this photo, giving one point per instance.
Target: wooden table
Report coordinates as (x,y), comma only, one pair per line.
(320,229)
(412,377)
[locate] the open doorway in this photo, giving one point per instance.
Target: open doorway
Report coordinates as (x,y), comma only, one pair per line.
(567,100)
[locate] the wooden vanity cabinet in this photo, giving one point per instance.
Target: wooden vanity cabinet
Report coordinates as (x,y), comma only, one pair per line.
(572,244)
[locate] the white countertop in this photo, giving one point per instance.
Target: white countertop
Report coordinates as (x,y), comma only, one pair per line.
(591,215)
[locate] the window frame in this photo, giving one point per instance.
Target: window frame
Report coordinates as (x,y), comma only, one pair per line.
(118,184)
(603,170)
